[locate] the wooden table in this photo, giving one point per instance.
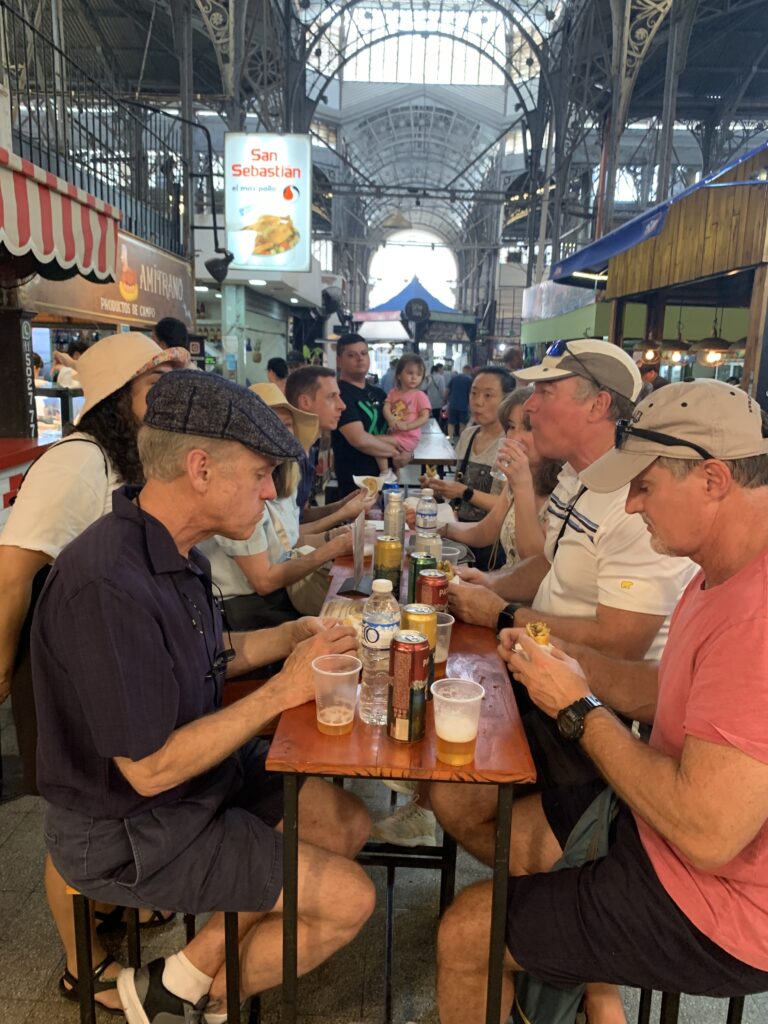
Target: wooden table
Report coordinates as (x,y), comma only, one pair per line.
(502,758)
(434,448)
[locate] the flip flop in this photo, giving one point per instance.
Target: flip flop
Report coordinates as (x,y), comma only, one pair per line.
(158,919)
(68,986)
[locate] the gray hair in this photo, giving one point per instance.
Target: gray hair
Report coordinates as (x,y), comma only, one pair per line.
(163,452)
(749,473)
(621,408)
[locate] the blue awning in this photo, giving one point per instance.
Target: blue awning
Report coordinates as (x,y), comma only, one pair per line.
(413,290)
(593,258)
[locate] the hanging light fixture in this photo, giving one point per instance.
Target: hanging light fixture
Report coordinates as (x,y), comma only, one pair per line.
(675,351)
(712,351)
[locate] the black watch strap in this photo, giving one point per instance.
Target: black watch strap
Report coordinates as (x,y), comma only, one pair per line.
(468,494)
(506,619)
(570,721)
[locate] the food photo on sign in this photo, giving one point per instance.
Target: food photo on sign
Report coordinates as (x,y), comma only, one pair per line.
(268,192)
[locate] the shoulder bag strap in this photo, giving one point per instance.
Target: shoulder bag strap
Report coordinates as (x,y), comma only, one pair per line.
(66,440)
(279,530)
(467,456)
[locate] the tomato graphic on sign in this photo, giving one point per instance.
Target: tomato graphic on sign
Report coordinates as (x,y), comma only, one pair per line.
(290,193)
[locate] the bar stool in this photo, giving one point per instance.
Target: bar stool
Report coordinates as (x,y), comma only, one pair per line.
(670,1008)
(81,906)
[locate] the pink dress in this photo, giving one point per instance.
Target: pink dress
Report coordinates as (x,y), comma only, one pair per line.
(407,405)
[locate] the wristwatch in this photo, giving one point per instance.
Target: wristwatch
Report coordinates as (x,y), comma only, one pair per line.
(468,494)
(570,721)
(506,619)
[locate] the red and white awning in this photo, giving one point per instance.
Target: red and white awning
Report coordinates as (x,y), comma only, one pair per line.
(55,221)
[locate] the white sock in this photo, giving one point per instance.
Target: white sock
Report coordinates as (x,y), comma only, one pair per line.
(181,977)
(215,1018)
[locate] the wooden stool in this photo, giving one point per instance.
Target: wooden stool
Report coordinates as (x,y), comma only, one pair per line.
(82,918)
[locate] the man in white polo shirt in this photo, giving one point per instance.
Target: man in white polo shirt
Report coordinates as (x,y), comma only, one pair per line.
(599,582)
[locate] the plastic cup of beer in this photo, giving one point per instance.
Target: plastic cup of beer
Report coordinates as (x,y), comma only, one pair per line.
(336,678)
(444,626)
(457,719)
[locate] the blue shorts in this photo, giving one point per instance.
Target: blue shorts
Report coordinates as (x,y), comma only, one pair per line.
(217,850)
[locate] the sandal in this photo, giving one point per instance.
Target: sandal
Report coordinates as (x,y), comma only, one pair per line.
(109,921)
(158,919)
(68,986)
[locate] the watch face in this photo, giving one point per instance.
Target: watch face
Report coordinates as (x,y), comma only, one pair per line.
(570,723)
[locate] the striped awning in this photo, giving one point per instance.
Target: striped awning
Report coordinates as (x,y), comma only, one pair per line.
(55,222)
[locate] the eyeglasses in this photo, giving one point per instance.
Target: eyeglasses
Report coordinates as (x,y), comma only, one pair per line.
(559,348)
(624,428)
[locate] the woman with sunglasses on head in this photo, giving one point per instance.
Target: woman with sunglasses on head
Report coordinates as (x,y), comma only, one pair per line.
(66,490)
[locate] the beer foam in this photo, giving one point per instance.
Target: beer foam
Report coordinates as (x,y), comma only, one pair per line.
(455,728)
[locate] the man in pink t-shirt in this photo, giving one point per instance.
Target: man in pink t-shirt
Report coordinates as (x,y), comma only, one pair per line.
(679,902)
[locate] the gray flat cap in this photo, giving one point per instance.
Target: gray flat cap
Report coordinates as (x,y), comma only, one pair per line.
(191,402)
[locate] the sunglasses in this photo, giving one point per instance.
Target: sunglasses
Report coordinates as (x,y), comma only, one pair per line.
(624,428)
(560,348)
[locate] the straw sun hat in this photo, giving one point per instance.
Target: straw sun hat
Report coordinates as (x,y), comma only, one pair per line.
(305,424)
(118,359)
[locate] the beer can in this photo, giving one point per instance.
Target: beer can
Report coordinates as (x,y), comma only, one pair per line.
(432,588)
(387,562)
(407,694)
(423,617)
(416,565)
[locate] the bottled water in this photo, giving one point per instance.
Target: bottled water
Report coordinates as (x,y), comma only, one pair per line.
(428,541)
(394,516)
(381,620)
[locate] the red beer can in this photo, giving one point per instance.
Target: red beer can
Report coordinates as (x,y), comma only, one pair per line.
(407,697)
(432,588)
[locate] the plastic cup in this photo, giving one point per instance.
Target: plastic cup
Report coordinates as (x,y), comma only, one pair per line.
(457,719)
(336,678)
(444,626)
(451,553)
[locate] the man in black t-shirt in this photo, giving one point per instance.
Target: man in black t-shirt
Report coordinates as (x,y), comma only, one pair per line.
(361,435)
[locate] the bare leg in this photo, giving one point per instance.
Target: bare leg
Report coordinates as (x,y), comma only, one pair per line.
(334,822)
(603,1004)
(60,905)
(470,817)
(462,960)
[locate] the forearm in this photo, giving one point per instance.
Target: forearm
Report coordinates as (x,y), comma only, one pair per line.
(319,525)
(529,533)
(651,783)
(281,574)
(378,446)
(589,631)
(629,687)
(198,746)
(487,502)
(260,647)
(522,582)
(475,535)
(313,513)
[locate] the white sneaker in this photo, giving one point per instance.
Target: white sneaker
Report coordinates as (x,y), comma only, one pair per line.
(401,785)
(410,825)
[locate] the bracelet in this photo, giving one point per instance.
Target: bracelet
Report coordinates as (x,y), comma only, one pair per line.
(327,536)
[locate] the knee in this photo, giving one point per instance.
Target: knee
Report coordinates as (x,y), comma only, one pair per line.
(447,808)
(464,933)
(358,901)
(358,826)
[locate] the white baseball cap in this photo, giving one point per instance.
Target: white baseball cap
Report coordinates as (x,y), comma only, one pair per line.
(607,366)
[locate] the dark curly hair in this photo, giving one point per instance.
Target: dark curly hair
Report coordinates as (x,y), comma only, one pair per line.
(113,424)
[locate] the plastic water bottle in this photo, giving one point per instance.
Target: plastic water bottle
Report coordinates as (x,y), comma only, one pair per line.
(428,541)
(381,620)
(394,516)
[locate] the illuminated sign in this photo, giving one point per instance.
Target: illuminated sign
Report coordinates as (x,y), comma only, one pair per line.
(268,201)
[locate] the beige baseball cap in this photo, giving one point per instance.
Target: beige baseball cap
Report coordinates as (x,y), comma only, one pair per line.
(117,359)
(605,365)
(305,424)
(699,419)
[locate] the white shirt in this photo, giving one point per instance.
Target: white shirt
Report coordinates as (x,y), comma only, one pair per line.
(605,557)
(221,553)
(65,491)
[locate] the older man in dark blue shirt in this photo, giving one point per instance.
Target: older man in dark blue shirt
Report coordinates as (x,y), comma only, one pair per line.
(156,795)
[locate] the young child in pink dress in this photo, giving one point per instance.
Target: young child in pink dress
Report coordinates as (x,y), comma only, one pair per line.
(407,409)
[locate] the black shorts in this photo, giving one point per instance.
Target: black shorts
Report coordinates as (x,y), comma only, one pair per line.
(612,921)
(215,851)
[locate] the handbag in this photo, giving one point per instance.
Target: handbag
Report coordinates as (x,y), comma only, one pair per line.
(307,594)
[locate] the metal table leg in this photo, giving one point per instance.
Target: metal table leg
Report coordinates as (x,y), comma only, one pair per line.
(499,902)
(82,913)
(389,939)
(290,894)
(447,873)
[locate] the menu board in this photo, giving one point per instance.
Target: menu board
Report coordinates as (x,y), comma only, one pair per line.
(268,201)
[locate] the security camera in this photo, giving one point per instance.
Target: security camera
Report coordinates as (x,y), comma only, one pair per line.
(218,266)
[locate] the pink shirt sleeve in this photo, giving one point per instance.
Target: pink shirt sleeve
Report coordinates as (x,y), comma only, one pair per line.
(422,402)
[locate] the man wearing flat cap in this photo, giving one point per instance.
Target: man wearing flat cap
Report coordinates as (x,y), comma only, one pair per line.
(156,795)
(679,902)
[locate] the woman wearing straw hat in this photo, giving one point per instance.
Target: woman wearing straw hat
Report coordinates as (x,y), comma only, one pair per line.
(68,488)
(253,574)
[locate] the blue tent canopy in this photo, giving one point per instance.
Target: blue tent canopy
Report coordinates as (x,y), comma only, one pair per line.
(593,258)
(413,290)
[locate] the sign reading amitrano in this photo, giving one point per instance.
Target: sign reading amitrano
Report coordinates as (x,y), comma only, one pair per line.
(151,284)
